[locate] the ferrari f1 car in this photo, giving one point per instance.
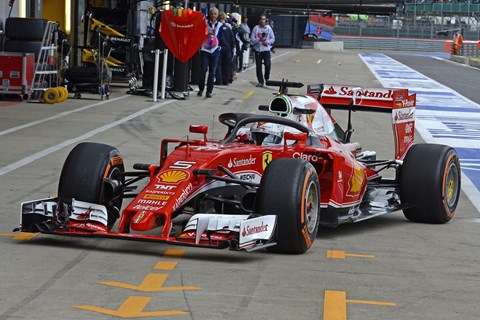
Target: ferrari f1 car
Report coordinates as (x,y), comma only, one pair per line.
(269,183)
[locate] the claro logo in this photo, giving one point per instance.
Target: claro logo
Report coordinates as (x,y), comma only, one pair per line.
(308,157)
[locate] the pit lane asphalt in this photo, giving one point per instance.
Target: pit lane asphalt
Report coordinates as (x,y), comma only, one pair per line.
(391,268)
(461,78)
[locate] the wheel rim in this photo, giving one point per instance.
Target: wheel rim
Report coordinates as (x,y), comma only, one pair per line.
(311,207)
(104,201)
(451,186)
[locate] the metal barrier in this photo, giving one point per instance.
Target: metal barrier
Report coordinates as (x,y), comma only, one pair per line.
(470,49)
(409,29)
(392,44)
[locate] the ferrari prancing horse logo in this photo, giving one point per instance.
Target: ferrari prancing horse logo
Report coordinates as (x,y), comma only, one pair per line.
(266,159)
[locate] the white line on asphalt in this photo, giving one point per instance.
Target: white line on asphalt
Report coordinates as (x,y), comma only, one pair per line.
(57,116)
(280,55)
(472,192)
(456,63)
(52,149)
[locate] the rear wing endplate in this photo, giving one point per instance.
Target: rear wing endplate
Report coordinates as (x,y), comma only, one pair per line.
(398,102)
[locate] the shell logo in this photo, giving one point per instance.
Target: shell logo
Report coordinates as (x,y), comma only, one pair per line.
(357,179)
(173,176)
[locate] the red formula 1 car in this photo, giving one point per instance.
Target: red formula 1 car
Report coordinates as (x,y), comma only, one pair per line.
(268,184)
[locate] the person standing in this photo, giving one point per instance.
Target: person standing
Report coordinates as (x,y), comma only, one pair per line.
(244,42)
(457,42)
(227,43)
(262,40)
(271,24)
(209,53)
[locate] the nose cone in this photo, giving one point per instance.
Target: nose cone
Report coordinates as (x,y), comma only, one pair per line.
(144,220)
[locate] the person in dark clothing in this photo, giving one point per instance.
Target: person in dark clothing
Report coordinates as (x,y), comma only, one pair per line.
(209,53)
(227,43)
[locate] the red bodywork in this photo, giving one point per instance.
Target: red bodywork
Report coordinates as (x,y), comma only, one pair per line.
(176,184)
(343,180)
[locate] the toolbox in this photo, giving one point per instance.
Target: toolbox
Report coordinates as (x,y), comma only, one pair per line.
(16,72)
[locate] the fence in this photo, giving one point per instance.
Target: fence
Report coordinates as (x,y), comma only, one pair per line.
(429,26)
(469,48)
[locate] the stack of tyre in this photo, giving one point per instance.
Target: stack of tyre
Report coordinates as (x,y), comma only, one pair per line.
(26,35)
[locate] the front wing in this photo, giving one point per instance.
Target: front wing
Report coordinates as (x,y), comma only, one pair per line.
(71,217)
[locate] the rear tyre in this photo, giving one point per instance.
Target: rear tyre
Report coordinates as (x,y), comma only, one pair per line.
(430,180)
(83,172)
(290,189)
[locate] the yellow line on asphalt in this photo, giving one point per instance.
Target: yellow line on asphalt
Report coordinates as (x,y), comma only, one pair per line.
(338,254)
(20,236)
(335,304)
(133,308)
(248,94)
(174,253)
(165,265)
(153,282)
(380,303)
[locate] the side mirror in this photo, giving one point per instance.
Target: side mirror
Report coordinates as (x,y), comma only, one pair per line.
(302,136)
(195,128)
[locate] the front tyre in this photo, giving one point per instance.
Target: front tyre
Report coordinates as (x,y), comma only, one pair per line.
(290,189)
(83,172)
(430,181)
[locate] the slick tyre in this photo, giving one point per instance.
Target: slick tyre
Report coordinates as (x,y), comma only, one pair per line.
(25,29)
(290,189)
(430,181)
(84,171)
(27,46)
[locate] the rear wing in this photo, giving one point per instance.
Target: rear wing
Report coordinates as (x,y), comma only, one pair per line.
(398,102)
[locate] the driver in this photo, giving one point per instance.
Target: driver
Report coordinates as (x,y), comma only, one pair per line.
(266,133)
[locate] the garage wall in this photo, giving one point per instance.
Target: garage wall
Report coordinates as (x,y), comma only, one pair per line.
(54,10)
(4,10)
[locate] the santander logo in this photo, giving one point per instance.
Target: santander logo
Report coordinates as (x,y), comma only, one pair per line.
(403,115)
(346,91)
(233,163)
(330,91)
(248,231)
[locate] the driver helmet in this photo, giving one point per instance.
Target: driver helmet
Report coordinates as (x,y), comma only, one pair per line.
(266,133)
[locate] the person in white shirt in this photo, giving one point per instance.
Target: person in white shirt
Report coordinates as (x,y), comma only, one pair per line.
(262,39)
(210,53)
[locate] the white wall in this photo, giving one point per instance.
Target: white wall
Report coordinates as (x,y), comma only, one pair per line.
(4,11)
